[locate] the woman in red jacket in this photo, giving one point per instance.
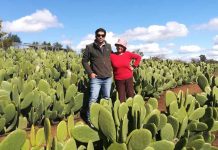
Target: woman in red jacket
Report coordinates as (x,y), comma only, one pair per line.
(123,70)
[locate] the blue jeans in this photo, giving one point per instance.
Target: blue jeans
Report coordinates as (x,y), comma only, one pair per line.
(97,84)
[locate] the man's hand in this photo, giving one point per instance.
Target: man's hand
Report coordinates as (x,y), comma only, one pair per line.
(92,75)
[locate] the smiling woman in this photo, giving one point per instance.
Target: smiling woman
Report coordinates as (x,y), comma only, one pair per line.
(123,70)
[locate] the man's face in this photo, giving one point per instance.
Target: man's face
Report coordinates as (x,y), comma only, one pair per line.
(100,37)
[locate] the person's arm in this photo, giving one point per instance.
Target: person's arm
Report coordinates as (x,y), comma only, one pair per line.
(137,59)
(85,61)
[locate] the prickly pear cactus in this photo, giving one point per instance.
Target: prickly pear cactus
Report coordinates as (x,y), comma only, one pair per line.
(14,140)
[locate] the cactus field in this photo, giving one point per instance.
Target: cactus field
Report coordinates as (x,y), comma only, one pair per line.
(42,93)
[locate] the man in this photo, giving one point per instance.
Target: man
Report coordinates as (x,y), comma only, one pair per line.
(99,70)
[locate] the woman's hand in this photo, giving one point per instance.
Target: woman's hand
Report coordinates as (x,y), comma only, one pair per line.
(92,75)
(131,68)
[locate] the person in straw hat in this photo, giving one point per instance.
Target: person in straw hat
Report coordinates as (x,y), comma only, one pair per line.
(123,70)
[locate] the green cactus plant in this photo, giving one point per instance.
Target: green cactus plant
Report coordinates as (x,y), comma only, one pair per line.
(123,110)
(175,124)
(183,127)
(163,121)
(70,124)
(106,124)
(120,146)
(44,86)
(115,112)
(170,97)
(153,102)
(78,102)
(27,100)
(70,144)
(10,112)
(152,128)
(62,131)
(84,133)
(70,93)
(6,86)
(136,139)
(26,145)
(197,114)
(202,82)
(90,145)
(181,144)
(14,140)
(22,123)
(2,124)
(163,144)
(33,136)
(167,132)
(94,114)
(47,132)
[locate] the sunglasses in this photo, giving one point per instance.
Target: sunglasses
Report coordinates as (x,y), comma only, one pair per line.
(100,35)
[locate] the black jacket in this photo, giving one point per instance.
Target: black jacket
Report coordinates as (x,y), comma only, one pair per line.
(100,63)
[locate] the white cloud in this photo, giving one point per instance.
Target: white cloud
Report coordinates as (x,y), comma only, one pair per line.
(213,53)
(190,48)
(156,32)
(110,38)
(215,47)
(216,39)
(212,24)
(87,40)
(38,21)
(150,34)
(150,49)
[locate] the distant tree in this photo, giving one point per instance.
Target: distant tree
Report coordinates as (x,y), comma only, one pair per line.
(194,60)
(203,58)
(155,58)
(57,46)
(7,42)
(14,38)
(2,34)
(138,52)
(212,61)
(68,48)
(35,45)
(46,45)
(158,57)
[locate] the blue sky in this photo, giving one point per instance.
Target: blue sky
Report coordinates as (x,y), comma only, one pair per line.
(169,28)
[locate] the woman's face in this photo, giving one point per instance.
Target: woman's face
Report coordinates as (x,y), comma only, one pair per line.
(120,49)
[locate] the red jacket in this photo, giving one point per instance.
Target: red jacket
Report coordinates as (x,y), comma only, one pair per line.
(121,64)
